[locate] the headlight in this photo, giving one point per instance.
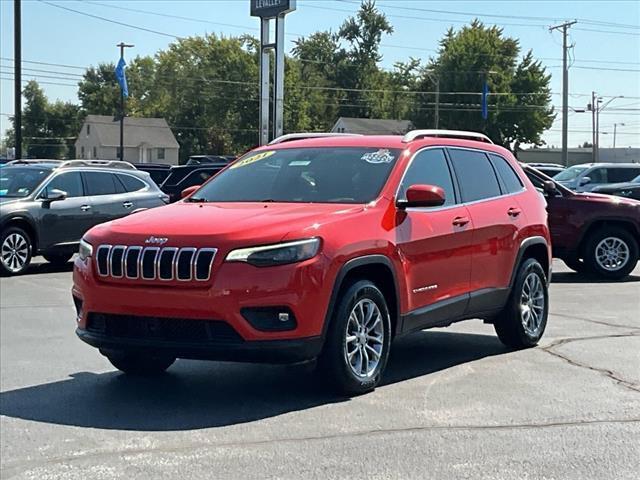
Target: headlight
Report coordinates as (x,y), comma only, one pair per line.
(278,254)
(85,250)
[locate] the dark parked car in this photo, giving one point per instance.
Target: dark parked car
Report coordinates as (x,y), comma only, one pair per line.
(549,169)
(158,171)
(46,206)
(186,176)
(206,159)
(591,232)
(625,189)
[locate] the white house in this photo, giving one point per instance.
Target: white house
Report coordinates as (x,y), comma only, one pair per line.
(146,140)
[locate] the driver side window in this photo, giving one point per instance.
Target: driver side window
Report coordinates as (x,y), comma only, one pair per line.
(69,182)
(429,167)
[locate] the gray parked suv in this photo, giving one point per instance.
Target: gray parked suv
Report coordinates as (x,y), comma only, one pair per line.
(588,176)
(46,205)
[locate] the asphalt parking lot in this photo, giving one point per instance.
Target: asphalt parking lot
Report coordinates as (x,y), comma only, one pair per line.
(455,403)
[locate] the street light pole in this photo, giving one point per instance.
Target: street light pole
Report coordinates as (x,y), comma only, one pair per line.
(615,126)
(122,46)
(598,109)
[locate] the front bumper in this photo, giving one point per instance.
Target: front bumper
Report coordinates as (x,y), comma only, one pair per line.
(267,351)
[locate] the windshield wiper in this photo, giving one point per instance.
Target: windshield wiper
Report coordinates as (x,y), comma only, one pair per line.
(196,200)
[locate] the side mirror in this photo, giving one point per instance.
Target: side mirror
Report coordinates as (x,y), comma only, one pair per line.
(549,188)
(54,195)
(189,190)
(423,196)
(585,180)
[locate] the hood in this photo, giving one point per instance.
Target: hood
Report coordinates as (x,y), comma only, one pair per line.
(607,200)
(217,224)
(7,200)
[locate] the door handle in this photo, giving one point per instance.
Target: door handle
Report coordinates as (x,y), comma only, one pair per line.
(127,204)
(84,208)
(460,221)
(514,212)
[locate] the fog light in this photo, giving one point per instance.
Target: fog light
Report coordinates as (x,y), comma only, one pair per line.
(270,319)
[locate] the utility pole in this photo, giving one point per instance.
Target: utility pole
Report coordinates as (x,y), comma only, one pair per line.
(436,81)
(565,89)
(122,46)
(593,107)
(17,68)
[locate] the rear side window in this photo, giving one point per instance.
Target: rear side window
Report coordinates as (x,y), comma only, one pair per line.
(619,175)
(101,183)
(475,174)
(598,175)
(429,167)
(510,179)
(131,184)
(69,182)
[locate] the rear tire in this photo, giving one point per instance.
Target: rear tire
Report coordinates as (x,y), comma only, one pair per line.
(358,340)
(58,259)
(611,252)
(16,249)
(524,319)
(137,364)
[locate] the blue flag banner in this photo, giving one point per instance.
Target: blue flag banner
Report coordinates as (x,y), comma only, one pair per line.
(485,100)
(121,77)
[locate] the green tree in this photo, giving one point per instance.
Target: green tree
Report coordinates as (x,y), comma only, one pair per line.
(48,129)
(520,100)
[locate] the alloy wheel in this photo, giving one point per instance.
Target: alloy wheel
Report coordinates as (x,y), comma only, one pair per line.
(612,254)
(364,339)
(14,252)
(532,304)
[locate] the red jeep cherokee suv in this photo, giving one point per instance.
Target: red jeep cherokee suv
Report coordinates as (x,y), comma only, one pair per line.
(322,247)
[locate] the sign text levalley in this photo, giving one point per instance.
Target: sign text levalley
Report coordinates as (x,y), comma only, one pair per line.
(271,8)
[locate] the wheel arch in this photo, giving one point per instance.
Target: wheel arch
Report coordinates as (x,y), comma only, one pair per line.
(27,225)
(599,223)
(533,247)
(376,268)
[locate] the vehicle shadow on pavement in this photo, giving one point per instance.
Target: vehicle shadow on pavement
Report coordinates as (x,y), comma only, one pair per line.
(194,395)
(45,267)
(573,277)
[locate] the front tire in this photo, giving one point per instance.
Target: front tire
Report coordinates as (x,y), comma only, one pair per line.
(15,251)
(611,253)
(523,320)
(136,364)
(358,340)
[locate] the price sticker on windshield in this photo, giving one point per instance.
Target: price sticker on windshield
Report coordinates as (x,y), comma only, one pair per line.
(252,159)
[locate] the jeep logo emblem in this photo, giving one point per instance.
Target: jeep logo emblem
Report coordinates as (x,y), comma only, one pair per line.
(156,240)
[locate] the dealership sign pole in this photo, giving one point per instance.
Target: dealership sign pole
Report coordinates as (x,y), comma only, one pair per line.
(269,10)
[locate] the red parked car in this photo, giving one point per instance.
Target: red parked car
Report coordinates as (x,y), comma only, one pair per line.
(591,232)
(323,248)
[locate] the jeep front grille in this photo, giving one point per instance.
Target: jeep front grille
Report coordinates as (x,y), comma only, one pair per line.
(155,263)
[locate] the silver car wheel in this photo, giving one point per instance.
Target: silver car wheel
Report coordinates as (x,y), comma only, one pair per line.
(612,254)
(532,304)
(364,338)
(14,252)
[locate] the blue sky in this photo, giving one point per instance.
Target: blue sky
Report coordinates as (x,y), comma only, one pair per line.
(58,36)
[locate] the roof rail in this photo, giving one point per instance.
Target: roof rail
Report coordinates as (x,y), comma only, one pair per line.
(301,136)
(416,134)
(28,161)
(98,163)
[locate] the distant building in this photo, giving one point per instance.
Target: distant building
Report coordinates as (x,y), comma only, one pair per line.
(580,155)
(146,140)
(372,126)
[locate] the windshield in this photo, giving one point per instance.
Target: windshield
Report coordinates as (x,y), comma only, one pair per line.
(21,182)
(321,175)
(570,173)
